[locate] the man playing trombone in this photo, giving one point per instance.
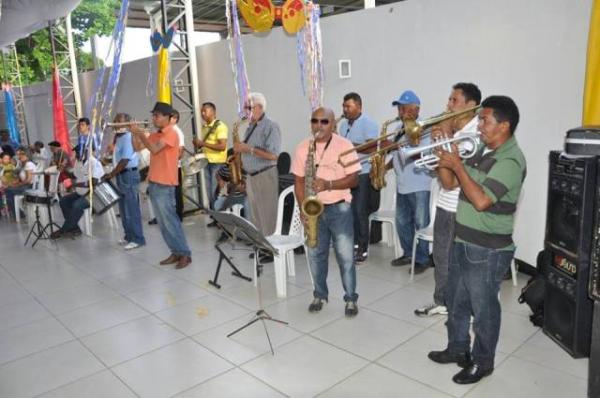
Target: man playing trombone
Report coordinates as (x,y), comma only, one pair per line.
(462,96)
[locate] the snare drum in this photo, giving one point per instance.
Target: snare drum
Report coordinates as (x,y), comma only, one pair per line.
(106,195)
(195,164)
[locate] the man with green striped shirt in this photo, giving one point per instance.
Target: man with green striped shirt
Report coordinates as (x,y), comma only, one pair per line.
(483,248)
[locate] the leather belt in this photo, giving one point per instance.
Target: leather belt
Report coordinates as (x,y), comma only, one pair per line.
(129,169)
(260,171)
(336,203)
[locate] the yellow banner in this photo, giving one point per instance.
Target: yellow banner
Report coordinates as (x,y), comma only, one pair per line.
(591,93)
(164,85)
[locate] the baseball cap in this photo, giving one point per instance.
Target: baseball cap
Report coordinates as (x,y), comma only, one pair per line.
(406,98)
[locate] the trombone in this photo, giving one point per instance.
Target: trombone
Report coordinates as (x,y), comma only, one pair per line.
(144,123)
(467,147)
(412,129)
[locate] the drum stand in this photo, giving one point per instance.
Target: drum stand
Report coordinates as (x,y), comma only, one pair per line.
(37,229)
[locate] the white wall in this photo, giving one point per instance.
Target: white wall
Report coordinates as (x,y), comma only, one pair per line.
(531,50)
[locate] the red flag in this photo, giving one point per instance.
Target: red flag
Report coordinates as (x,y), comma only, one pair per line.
(61,132)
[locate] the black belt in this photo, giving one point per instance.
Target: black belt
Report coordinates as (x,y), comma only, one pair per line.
(129,169)
(336,203)
(260,171)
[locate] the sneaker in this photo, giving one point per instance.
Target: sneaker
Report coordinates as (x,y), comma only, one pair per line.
(131,246)
(431,310)
(351,309)
(400,261)
(122,242)
(153,222)
(316,305)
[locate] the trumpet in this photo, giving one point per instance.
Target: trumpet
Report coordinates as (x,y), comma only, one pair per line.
(144,123)
(467,147)
(413,130)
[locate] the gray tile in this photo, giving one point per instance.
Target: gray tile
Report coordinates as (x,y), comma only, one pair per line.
(166,295)
(100,385)
(47,370)
(77,297)
(171,370)
(304,367)
(20,312)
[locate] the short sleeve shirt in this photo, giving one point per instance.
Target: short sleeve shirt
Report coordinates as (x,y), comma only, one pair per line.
(218,133)
(124,150)
(328,167)
(163,165)
(358,132)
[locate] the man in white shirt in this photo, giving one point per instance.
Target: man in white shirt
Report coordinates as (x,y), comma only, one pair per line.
(74,204)
(179,188)
(462,96)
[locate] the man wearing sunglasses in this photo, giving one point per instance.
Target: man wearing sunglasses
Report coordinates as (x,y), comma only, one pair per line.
(358,128)
(260,149)
(332,184)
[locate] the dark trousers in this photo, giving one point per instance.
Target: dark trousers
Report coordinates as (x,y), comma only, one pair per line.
(364,198)
(179,195)
(443,238)
(72,207)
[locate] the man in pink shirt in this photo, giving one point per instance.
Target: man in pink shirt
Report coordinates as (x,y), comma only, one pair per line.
(332,184)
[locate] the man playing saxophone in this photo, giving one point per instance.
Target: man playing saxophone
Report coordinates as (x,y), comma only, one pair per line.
(331,184)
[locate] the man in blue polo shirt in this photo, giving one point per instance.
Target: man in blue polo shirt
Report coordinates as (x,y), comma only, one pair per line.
(358,128)
(128,180)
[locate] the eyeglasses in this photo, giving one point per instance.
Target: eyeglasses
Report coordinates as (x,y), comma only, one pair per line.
(323,122)
(248,107)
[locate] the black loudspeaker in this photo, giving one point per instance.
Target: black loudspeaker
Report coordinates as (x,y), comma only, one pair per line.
(570,219)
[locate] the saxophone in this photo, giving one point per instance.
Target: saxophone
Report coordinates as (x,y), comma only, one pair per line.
(312,207)
(234,162)
(377,173)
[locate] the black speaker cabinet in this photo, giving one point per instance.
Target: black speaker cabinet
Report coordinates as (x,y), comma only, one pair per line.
(570,218)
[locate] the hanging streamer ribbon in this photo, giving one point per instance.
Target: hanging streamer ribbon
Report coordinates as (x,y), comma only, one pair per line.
(309,51)
(101,112)
(61,133)
(11,118)
(163,84)
(236,53)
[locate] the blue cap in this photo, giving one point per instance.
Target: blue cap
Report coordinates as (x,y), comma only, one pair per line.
(406,98)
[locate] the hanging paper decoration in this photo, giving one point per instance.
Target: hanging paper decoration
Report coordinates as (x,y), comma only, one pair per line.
(61,133)
(260,14)
(11,118)
(101,112)
(310,56)
(236,53)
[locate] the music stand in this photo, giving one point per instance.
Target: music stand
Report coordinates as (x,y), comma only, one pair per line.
(238,227)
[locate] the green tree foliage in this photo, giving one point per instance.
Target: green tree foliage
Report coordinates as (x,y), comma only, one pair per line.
(35,53)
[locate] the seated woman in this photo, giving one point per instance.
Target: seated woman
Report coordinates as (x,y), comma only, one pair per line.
(74,204)
(21,184)
(7,176)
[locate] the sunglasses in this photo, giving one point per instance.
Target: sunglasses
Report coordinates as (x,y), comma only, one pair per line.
(323,122)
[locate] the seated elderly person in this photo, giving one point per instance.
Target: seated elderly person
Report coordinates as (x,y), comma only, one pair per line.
(22,183)
(74,204)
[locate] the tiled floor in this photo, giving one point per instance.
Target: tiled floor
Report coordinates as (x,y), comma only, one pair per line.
(82,318)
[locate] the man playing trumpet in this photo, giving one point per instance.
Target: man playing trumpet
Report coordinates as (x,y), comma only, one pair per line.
(331,184)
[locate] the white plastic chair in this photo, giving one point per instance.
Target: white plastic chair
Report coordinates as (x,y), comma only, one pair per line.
(37,185)
(387,213)
(427,232)
(285,244)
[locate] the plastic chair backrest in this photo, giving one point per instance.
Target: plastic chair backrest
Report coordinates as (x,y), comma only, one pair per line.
(280,205)
(296,227)
(433,198)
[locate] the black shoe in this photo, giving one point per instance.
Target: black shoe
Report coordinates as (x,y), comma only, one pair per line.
(360,257)
(351,309)
(463,359)
(471,374)
(316,305)
(212,224)
(153,222)
(222,238)
(400,261)
(420,268)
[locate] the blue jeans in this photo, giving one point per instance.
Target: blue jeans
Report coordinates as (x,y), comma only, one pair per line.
(475,274)
(72,207)
(10,193)
(129,206)
(412,214)
(335,223)
(210,175)
(162,198)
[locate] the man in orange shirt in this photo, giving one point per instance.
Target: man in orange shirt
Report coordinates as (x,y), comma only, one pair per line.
(162,180)
(332,183)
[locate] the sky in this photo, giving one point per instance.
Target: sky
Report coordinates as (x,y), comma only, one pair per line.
(137,44)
